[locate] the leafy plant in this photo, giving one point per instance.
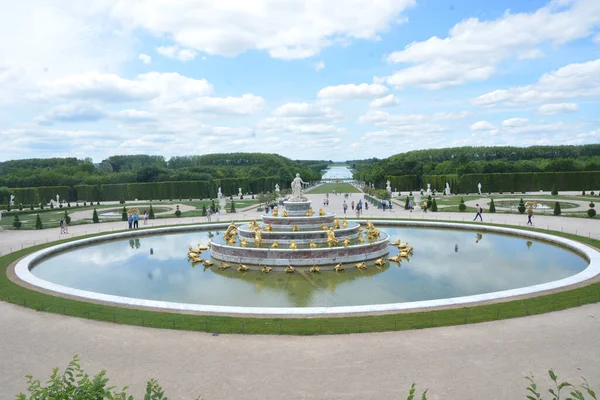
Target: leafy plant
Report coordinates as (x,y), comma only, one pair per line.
(17,223)
(557,210)
(492,206)
(31,206)
(592,205)
(521,206)
(178,212)
(583,192)
(151,213)
(578,392)
(462,206)
(38,222)
(41,205)
(95,218)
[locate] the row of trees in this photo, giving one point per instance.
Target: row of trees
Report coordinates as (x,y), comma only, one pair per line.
(145,168)
(481,160)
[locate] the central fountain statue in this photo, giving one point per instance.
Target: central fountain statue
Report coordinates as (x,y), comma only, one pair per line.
(297,189)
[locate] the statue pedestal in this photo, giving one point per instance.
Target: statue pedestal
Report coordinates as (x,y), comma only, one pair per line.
(297,207)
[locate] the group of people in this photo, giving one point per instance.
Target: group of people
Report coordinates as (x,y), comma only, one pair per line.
(358,207)
(386,204)
(134,218)
(64,226)
(209,212)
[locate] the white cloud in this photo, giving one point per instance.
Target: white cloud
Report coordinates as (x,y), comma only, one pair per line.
(383,118)
(351,91)
(558,108)
(484,126)
(177,53)
(76,112)
(388,101)
(319,66)
(132,115)
(289,30)
(514,122)
(572,81)
(145,58)
(596,38)
(303,119)
(474,48)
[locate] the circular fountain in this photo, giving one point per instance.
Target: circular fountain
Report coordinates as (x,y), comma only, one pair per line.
(299,237)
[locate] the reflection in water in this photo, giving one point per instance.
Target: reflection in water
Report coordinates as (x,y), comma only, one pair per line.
(434,271)
(479,237)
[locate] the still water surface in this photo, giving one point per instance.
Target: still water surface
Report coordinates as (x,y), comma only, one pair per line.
(156,268)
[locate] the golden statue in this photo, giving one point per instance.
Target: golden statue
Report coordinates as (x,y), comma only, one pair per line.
(361,265)
(395,243)
(321,212)
(243,268)
(380,261)
(331,240)
(295,228)
(372,232)
(360,229)
(266,269)
(243,243)
(231,231)
(361,239)
(275,212)
(289,269)
(268,228)
(274,245)
(310,212)
(337,223)
(293,245)
(232,240)
(284,213)
(315,268)
(347,242)
(312,244)
(338,267)
(324,227)
(344,223)
(258,238)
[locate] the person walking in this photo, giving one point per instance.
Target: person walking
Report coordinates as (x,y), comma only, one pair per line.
(425,206)
(208,212)
(479,211)
(345,206)
(410,205)
(529,216)
(62,226)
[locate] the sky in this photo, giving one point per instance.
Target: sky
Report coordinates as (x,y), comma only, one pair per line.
(307,79)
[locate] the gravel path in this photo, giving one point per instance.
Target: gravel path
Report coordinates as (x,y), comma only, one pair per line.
(487,360)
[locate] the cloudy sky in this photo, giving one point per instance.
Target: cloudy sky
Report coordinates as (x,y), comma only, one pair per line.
(309,79)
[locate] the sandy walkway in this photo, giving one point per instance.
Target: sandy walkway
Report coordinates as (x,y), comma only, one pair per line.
(478,361)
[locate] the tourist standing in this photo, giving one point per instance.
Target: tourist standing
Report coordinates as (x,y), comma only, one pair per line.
(410,205)
(425,206)
(145,218)
(208,212)
(366,206)
(62,225)
(345,206)
(136,218)
(352,205)
(217,215)
(479,211)
(130,221)
(529,216)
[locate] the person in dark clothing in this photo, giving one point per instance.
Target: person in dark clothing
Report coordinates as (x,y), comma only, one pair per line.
(479,211)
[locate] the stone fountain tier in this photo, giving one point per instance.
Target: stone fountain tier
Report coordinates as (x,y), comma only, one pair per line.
(296,208)
(325,257)
(302,236)
(287,223)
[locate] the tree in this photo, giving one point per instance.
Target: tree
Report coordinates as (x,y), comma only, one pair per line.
(17,223)
(232,209)
(151,213)
(124,214)
(38,222)
(434,206)
(554,192)
(95,218)
(67,218)
(492,206)
(521,207)
(178,212)
(406,207)
(462,206)
(557,210)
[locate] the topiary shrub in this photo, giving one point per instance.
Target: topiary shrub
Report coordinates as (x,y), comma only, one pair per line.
(17,222)
(31,206)
(462,207)
(67,217)
(68,204)
(591,213)
(122,200)
(557,210)
(84,204)
(406,203)
(151,213)
(592,205)
(592,193)
(521,206)
(41,206)
(38,222)
(124,214)
(492,206)
(95,218)
(583,193)
(232,209)
(177,212)
(204,210)
(554,192)
(434,206)
(8,208)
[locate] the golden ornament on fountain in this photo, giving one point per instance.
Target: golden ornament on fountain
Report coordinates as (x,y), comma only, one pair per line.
(243,268)
(224,266)
(337,223)
(321,212)
(380,261)
(361,239)
(331,239)
(289,269)
(403,245)
(258,238)
(243,243)
(293,245)
(284,213)
(395,258)
(315,268)
(395,243)
(361,265)
(360,229)
(209,263)
(232,240)
(347,242)
(275,212)
(295,228)
(266,269)
(324,227)
(268,228)
(275,244)
(338,267)
(310,212)
(312,244)
(344,223)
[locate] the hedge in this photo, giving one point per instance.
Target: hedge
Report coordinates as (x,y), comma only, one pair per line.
(403,183)
(43,194)
(438,182)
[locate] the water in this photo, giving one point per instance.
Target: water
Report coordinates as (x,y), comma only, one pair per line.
(337,173)
(156,267)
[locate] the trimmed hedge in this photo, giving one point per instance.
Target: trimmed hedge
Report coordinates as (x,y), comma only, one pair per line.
(403,183)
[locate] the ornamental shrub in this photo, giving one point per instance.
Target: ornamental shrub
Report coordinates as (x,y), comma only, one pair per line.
(557,208)
(434,206)
(42,205)
(232,209)
(20,206)
(31,206)
(554,191)
(592,205)
(67,217)
(95,218)
(462,206)
(17,223)
(521,206)
(177,212)
(492,206)
(591,213)
(583,192)
(204,210)
(124,214)
(406,203)
(151,213)
(38,222)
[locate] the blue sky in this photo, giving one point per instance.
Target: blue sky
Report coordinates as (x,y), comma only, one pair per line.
(308,79)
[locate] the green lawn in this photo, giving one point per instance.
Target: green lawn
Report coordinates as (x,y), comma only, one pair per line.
(16,294)
(330,187)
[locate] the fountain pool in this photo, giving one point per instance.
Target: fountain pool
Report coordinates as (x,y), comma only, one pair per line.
(449,266)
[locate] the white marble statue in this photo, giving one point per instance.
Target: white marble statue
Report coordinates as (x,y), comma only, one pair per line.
(57,199)
(479,187)
(417,201)
(388,187)
(297,188)
(240,192)
(429,188)
(12,200)
(447,190)
(277,190)
(219,194)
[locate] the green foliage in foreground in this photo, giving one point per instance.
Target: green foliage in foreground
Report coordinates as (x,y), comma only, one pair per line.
(75,384)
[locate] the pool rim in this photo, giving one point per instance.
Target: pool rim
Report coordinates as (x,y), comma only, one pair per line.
(23,272)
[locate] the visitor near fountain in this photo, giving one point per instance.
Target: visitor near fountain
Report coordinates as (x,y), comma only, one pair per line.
(479,211)
(529,215)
